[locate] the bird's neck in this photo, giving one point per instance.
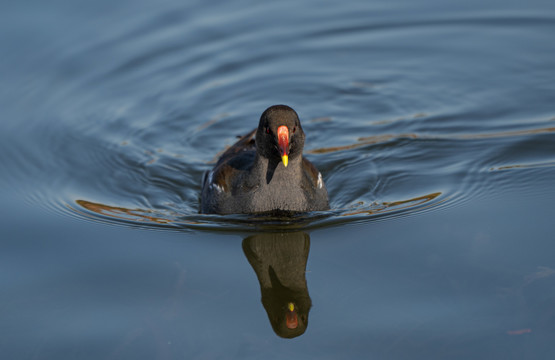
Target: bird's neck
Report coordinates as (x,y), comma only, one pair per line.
(269,170)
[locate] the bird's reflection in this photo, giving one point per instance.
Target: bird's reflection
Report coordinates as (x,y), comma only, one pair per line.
(279,261)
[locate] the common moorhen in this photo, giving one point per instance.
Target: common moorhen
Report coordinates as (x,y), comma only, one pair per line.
(265,171)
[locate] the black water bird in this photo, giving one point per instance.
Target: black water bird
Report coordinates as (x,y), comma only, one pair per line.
(265,171)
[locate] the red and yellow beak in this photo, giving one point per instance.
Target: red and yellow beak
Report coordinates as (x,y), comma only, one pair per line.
(291,320)
(283,142)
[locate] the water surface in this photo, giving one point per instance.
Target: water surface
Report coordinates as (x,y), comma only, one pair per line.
(432,123)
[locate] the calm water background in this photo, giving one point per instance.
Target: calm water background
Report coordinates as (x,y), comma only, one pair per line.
(433,123)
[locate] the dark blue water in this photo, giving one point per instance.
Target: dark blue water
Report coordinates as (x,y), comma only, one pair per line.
(432,123)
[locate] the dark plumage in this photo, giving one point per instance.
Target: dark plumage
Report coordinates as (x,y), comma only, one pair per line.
(265,171)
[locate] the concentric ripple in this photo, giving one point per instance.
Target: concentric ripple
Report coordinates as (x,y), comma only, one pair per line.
(395,116)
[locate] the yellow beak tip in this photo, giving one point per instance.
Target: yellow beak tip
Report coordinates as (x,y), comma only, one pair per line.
(285,160)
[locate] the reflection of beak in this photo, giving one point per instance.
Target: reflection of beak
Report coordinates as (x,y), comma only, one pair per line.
(283,142)
(291,320)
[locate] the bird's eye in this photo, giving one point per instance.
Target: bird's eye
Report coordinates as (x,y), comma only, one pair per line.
(294,128)
(267,130)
